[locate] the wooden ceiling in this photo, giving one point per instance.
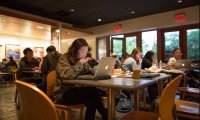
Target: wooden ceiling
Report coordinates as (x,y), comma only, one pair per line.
(24,28)
(34,30)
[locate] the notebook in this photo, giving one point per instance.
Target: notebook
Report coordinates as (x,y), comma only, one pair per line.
(183,64)
(104,70)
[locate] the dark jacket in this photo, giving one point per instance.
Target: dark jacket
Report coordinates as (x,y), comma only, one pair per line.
(11,63)
(25,65)
(49,63)
(146,63)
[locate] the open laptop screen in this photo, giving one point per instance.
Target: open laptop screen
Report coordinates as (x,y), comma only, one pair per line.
(183,64)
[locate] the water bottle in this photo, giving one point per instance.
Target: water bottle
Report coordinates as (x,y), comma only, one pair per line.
(160,64)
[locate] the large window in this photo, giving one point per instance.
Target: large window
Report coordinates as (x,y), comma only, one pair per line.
(193,44)
(162,42)
(149,42)
(130,44)
(171,42)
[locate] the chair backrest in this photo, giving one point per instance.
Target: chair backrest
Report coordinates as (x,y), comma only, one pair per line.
(51,80)
(34,104)
(12,69)
(167,99)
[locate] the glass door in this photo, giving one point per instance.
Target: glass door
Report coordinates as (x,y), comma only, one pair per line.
(117,46)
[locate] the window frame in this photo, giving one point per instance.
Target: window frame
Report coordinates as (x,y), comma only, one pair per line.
(160,39)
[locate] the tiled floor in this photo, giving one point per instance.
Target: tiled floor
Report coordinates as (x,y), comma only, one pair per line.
(8,109)
(7,104)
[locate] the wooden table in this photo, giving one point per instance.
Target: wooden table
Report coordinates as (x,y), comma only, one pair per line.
(178,72)
(33,72)
(4,73)
(123,84)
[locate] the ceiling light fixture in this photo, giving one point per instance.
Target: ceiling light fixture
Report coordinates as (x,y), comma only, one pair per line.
(71,10)
(67,33)
(39,27)
(179,1)
(132,12)
(99,20)
(2,20)
(57,31)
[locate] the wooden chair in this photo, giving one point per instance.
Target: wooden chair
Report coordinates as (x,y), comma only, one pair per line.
(35,105)
(188,91)
(186,109)
(51,80)
(167,101)
(12,70)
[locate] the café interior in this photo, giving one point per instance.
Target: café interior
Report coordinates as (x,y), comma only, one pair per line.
(112,29)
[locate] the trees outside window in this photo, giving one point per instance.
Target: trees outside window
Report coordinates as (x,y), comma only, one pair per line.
(130,44)
(171,42)
(193,44)
(149,42)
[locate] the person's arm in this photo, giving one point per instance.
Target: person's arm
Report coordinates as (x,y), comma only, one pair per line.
(67,71)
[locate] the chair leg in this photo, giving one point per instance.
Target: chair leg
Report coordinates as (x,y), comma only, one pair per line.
(59,112)
(17,101)
(67,114)
(16,95)
(81,113)
(145,100)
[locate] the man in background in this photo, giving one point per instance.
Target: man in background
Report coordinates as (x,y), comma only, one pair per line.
(27,65)
(49,64)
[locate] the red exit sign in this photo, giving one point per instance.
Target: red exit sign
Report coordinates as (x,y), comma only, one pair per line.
(180,17)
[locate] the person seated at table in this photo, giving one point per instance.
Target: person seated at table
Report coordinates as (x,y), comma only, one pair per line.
(124,57)
(3,65)
(148,59)
(70,65)
(147,62)
(27,65)
(177,55)
(49,64)
(118,62)
(135,58)
(11,63)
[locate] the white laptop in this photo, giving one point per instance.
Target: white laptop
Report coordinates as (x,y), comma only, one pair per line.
(104,70)
(183,64)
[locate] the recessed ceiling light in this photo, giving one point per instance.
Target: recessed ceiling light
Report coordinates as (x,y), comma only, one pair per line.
(132,12)
(57,31)
(71,10)
(179,1)
(2,20)
(67,33)
(99,20)
(39,27)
